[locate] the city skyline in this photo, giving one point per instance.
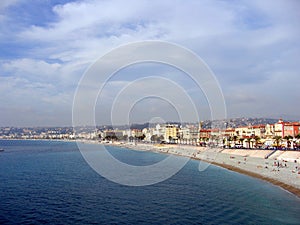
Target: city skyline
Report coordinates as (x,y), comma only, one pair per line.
(46,46)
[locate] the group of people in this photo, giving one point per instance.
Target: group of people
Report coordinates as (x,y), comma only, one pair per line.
(280,164)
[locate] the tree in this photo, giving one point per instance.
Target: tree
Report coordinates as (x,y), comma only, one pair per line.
(241,140)
(248,140)
(228,140)
(160,138)
(297,139)
(234,138)
(277,140)
(131,139)
(288,138)
(154,138)
(110,136)
(256,140)
(125,137)
(142,137)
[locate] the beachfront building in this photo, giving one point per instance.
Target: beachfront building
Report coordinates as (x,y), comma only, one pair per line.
(259,130)
(159,130)
(245,131)
(136,133)
(171,132)
(269,131)
(279,128)
(127,133)
(251,131)
(229,132)
(148,133)
(112,134)
(291,129)
(189,135)
(285,129)
(281,134)
(211,137)
(184,135)
(194,134)
(205,134)
(229,137)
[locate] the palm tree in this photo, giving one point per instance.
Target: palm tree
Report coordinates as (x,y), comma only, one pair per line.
(206,140)
(160,138)
(153,138)
(131,139)
(125,137)
(229,141)
(277,140)
(288,138)
(241,140)
(224,141)
(257,139)
(297,139)
(234,138)
(248,140)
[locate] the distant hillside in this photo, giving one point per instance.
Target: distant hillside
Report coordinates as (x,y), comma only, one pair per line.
(233,123)
(239,122)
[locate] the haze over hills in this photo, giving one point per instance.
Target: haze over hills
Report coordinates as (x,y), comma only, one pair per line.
(239,122)
(232,122)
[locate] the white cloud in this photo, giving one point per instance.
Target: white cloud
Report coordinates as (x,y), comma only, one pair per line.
(6,3)
(25,103)
(31,67)
(246,43)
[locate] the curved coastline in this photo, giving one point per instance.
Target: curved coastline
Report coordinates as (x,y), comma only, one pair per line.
(177,150)
(191,152)
(287,187)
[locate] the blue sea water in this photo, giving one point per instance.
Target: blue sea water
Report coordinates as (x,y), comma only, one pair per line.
(48,182)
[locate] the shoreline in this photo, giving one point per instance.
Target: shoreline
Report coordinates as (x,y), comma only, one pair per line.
(287,187)
(195,152)
(248,162)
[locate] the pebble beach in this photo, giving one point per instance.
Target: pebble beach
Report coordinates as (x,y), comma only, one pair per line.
(281,168)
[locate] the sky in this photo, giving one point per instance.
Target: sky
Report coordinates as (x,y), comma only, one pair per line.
(251,47)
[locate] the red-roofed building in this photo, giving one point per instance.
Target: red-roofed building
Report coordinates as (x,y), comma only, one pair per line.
(229,132)
(205,133)
(291,129)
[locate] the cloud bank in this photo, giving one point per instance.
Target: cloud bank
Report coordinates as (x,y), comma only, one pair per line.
(251,46)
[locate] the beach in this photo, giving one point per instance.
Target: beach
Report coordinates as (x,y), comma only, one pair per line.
(281,168)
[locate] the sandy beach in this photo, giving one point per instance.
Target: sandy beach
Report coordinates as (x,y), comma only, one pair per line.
(281,168)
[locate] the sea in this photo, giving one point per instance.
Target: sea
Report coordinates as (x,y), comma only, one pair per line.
(49,182)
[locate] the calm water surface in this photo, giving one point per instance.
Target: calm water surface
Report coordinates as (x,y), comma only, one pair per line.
(49,182)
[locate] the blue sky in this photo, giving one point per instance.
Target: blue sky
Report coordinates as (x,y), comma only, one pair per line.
(251,46)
